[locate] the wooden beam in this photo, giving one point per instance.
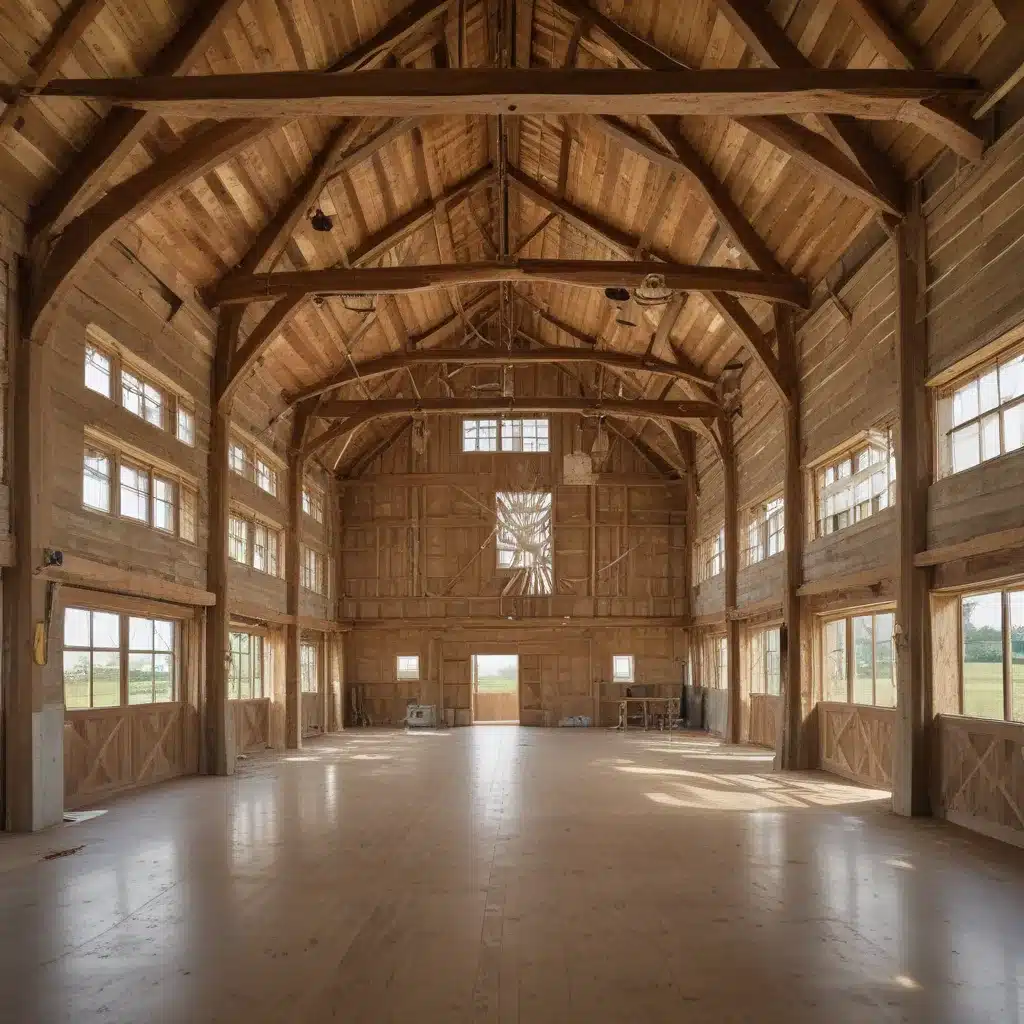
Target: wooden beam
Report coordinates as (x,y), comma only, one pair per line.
(497,357)
(355,414)
(884,94)
(891,43)
(560,325)
(579,273)
(382,445)
(912,637)
(734,313)
(732,561)
(374,144)
(123,129)
(65,35)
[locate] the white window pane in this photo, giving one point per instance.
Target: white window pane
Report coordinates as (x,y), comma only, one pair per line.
(134,494)
(965,447)
(163,635)
(965,403)
(982,631)
(76,679)
(990,436)
(97,371)
(622,668)
(106,629)
(76,627)
(186,426)
(988,387)
(140,634)
(140,678)
(163,677)
(106,678)
(1011,379)
(131,392)
(1013,427)
(96,481)
(863,661)
(153,405)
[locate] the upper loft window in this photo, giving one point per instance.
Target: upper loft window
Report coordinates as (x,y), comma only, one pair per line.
(710,556)
(313,503)
(506,435)
(981,415)
(765,664)
(247,461)
(765,531)
(127,381)
(857,484)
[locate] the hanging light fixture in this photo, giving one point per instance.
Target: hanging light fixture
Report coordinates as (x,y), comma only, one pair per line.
(319,221)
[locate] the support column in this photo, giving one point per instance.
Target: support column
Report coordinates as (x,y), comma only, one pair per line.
(792,747)
(293,555)
(911,746)
(218,725)
(732,626)
(33,701)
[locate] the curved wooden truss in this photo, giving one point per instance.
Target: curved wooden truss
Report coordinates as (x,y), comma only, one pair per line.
(355,414)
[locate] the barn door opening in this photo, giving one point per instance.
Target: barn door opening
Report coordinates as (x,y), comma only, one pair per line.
(496,688)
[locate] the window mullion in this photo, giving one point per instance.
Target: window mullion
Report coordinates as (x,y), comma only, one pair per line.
(1007,653)
(122,633)
(850,661)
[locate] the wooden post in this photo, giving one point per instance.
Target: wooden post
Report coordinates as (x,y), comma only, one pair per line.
(791,747)
(732,626)
(33,699)
(218,746)
(913,475)
(292,674)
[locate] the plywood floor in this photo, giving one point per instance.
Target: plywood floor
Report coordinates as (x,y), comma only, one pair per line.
(505,874)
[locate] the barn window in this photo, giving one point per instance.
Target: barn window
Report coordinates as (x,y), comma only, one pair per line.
(92,659)
(134,496)
(407,667)
(765,531)
(309,668)
(150,660)
(96,480)
(313,503)
(765,666)
(246,682)
(858,660)
(163,504)
(239,460)
(710,557)
(264,549)
(143,399)
(238,539)
(479,435)
(186,428)
(312,570)
(266,477)
(98,371)
(992,662)
(524,435)
(524,540)
(622,668)
(856,484)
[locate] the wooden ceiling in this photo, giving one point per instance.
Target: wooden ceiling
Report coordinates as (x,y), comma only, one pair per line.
(773,195)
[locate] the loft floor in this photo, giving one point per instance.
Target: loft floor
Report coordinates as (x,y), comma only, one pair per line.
(507,874)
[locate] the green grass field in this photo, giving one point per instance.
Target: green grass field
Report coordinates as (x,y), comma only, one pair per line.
(496,673)
(983,691)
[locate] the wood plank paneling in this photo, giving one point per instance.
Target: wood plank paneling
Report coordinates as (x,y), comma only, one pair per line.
(856,742)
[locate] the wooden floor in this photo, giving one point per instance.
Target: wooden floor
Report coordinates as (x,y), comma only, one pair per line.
(512,875)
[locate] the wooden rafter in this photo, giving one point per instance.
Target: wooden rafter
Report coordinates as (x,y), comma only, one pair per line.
(354,414)
(885,94)
(560,325)
(371,249)
(808,148)
(496,357)
(756,341)
(579,273)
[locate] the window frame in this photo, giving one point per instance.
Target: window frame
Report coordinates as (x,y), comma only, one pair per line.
(312,570)
(632,669)
(256,654)
(510,435)
(759,669)
(406,675)
(305,647)
(765,523)
(313,502)
(848,618)
(868,441)
(253,524)
(709,553)
(1006,676)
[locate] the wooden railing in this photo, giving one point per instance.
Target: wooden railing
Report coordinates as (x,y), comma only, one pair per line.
(856,742)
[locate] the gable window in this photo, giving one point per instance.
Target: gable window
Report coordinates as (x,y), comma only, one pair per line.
(858,660)
(992,659)
(765,531)
(857,484)
(309,670)
(98,371)
(506,435)
(981,415)
(524,539)
(622,668)
(407,667)
(765,665)
(312,504)
(246,680)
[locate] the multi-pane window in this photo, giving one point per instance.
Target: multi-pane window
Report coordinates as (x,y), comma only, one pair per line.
(524,435)
(311,574)
(309,668)
(313,504)
(992,662)
(859,661)
(710,557)
(109,374)
(92,659)
(861,482)
(150,660)
(622,668)
(238,539)
(238,460)
(264,549)
(407,667)
(765,665)
(981,416)
(765,531)
(249,462)
(96,480)
(506,435)
(524,539)
(143,494)
(246,680)
(716,662)
(98,371)
(134,496)
(266,477)
(112,659)
(186,425)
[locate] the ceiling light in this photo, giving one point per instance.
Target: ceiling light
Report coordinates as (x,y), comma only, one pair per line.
(320,221)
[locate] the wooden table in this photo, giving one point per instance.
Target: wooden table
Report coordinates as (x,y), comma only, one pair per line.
(649,714)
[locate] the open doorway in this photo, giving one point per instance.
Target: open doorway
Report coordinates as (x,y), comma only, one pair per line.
(496,688)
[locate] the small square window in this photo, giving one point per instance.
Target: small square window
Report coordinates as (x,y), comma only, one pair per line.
(408,666)
(622,668)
